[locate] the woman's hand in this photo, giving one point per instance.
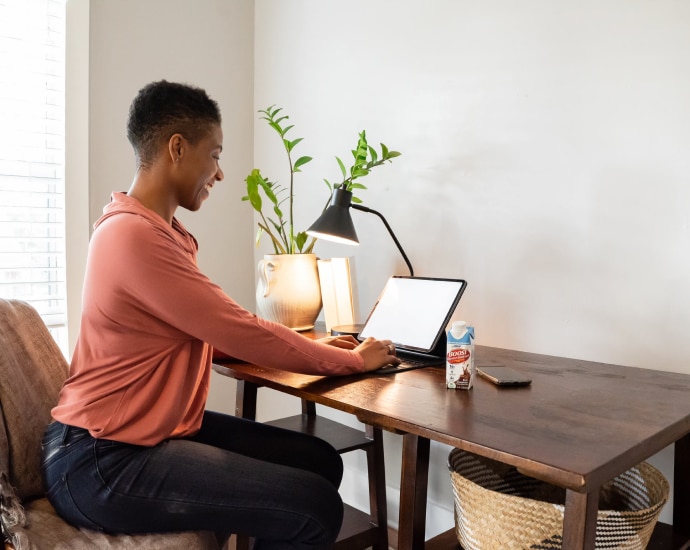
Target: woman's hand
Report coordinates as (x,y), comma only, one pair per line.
(344,342)
(377,353)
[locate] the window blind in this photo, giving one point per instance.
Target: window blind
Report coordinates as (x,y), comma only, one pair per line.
(32,150)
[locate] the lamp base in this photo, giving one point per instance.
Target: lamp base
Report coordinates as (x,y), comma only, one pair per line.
(346,330)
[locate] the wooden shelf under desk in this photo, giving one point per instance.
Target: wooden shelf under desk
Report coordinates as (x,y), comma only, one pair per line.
(663,538)
(343,438)
(357,530)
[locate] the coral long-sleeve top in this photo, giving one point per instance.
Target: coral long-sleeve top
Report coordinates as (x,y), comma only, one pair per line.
(141,368)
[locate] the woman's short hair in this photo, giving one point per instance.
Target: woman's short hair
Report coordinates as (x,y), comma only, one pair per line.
(164,108)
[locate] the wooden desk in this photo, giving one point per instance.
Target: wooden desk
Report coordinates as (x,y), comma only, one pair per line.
(577,426)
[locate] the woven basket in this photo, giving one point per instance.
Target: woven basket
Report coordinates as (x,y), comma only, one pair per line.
(497,508)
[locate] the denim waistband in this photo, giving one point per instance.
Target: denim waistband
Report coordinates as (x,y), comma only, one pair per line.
(59,435)
(69,433)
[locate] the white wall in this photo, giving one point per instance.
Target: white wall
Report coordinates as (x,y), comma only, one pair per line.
(208,43)
(545,159)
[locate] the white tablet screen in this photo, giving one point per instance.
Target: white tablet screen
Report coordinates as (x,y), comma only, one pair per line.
(413,311)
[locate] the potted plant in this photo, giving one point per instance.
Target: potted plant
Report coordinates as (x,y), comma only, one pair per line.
(294,297)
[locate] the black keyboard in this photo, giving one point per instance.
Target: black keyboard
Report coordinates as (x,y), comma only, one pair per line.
(409,363)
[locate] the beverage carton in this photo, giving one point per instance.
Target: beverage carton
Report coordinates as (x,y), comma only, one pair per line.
(460,368)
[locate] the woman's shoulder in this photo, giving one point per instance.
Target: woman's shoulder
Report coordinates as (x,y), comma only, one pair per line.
(132,223)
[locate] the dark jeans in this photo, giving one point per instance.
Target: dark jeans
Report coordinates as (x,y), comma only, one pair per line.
(234,476)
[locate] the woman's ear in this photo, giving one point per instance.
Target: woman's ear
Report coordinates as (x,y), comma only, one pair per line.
(176,147)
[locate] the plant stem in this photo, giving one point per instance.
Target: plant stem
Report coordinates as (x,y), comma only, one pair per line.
(277,246)
(291,241)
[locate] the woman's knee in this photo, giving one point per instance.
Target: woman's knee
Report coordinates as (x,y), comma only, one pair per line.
(327,462)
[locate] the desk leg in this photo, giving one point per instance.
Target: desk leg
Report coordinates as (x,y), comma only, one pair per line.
(580,522)
(681,486)
(245,400)
(413,487)
(245,407)
(377,486)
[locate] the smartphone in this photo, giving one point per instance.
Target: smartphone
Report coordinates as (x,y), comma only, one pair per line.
(504,376)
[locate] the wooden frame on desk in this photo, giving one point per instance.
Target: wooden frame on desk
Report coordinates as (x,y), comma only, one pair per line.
(578,425)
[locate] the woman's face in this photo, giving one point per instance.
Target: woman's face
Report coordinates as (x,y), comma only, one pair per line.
(199,169)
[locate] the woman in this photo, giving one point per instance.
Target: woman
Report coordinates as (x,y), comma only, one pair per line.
(131,448)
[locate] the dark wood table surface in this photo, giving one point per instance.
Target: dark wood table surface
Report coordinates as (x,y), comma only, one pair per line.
(577,426)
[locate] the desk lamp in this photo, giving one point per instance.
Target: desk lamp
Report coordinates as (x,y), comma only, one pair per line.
(335,224)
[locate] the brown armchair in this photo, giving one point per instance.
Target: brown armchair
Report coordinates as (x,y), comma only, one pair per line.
(32,370)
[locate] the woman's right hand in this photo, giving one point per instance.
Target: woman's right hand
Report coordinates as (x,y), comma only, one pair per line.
(377,353)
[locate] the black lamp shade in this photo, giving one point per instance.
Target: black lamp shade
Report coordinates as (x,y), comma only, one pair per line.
(335,224)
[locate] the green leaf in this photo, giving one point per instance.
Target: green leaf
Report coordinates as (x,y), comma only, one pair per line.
(372,153)
(267,186)
(291,144)
(393,154)
(362,147)
(301,162)
(288,128)
(276,225)
(266,111)
(342,167)
(300,239)
(356,199)
(358,186)
(254,180)
(384,151)
(255,201)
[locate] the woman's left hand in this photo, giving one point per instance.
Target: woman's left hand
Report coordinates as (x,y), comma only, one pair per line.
(344,342)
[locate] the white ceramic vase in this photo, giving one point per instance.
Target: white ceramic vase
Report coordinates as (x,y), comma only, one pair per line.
(288,291)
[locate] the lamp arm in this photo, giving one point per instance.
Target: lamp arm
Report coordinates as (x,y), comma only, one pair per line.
(395,239)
